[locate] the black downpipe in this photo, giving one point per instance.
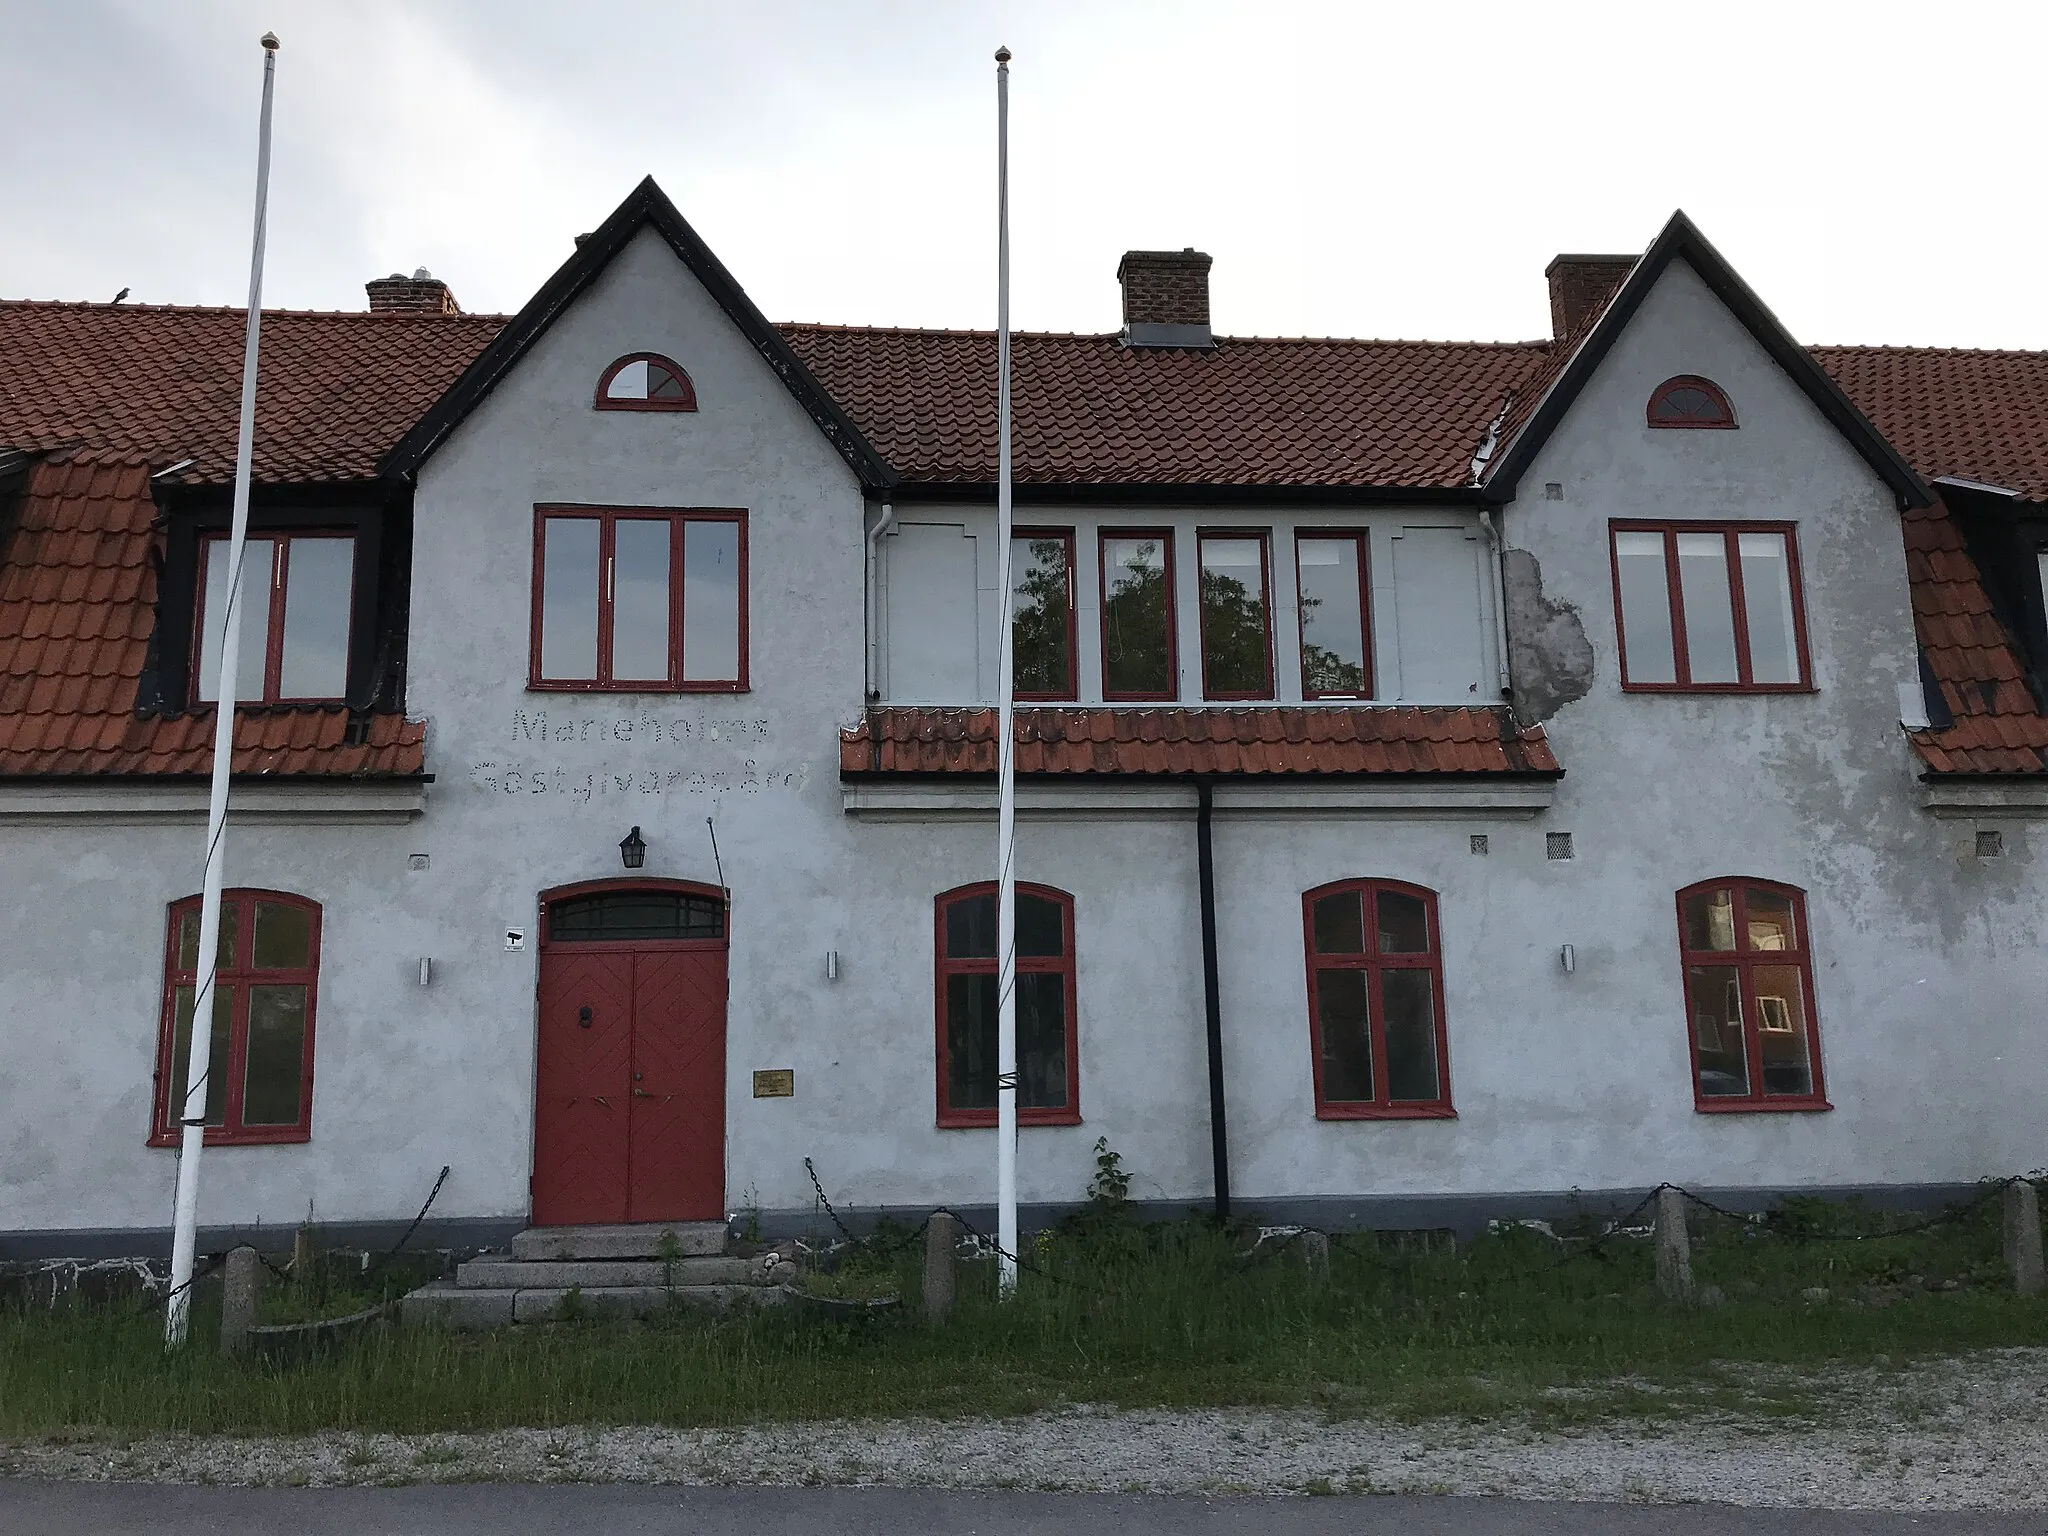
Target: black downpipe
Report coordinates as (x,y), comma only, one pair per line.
(1219,1137)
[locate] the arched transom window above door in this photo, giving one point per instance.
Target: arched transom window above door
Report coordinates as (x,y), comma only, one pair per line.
(645,381)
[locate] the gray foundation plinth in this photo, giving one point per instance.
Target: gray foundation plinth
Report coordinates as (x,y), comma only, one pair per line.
(1674,1247)
(941,1238)
(2023,1237)
(243,1285)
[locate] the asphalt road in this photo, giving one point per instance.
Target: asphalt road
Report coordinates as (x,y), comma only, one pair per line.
(473,1509)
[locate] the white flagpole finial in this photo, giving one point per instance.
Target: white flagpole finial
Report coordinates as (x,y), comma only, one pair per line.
(1002,55)
(269,41)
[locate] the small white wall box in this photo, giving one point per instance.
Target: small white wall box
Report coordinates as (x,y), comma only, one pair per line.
(1568,958)
(831,965)
(426,970)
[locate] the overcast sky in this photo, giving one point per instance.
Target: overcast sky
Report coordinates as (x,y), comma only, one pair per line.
(1404,169)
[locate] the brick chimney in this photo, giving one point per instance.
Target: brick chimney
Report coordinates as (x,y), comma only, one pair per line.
(1580,287)
(1166,298)
(421,294)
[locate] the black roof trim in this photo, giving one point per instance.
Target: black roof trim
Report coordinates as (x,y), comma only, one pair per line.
(1160,493)
(1409,776)
(646,205)
(2007,776)
(1681,237)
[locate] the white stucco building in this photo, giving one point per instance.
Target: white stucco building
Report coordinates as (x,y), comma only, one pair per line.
(1456,778)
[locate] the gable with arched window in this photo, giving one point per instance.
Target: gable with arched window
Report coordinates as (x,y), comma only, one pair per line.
(646,381)
(259,1080)
(1749,996)
(1690,401)
(1376,1001)
(1048,1069)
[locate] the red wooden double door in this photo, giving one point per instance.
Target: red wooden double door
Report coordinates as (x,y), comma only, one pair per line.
(629,1121)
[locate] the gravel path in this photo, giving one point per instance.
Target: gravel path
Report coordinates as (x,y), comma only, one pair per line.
(1969,1433)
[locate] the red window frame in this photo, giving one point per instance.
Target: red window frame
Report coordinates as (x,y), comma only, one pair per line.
(1072,690)
(273,651)
(1265,542)
(1375,965)
(607,519)
(164,1129)
(687,401)
(1165,538)
(1745,960)
(1363,539)
(950,1118)
(1738,605)
(1724,422)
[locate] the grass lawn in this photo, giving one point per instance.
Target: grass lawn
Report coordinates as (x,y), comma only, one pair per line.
(1170,1316)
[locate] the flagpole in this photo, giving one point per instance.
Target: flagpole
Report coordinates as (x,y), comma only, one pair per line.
(1006,737)
(198,1059)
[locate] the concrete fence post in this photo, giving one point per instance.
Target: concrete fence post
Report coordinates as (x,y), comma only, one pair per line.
(1674,1248)
(244,1284)
(941,1238)
(2023,1237)
(1315,1251)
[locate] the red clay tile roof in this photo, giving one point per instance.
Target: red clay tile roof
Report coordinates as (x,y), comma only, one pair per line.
(1978,415)
(1089,410)
(100,386)
(153,384)
(1981,416)
(77,600)
(1258,741)
(1998,728)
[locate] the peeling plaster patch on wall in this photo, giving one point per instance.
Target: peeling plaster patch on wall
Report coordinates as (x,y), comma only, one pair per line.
(1552,658)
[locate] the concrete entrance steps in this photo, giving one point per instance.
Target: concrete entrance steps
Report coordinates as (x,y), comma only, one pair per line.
(620,1271)
(636,1240)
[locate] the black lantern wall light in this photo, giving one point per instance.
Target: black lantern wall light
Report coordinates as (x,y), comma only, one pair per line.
(633,849)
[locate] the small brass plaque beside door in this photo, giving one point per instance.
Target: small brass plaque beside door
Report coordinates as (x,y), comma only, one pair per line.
(777,1083)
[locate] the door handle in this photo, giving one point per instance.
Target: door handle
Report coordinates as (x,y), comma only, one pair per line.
(583,1018)
(642,1093)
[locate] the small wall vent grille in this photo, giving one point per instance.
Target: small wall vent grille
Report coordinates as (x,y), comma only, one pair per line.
(1557,845)
(1990,845)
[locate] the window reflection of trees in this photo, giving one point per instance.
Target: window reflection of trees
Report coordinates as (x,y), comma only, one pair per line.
(1322,669)
(1040,611)
(1137,654)
(1233,635)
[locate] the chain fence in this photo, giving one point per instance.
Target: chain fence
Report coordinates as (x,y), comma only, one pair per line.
(889,1244)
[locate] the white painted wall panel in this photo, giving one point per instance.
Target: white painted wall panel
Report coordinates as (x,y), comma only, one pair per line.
(933,627)
(1438,615)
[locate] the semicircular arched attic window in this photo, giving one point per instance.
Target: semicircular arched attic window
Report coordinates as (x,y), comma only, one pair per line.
(1690,401)
(645,381)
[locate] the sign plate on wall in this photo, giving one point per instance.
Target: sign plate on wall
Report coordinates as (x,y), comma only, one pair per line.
(777,1083)
(515,939)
